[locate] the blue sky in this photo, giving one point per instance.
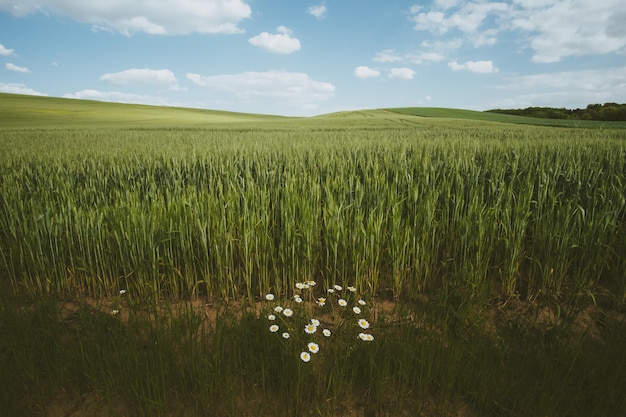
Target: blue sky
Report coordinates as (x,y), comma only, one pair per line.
(302,58)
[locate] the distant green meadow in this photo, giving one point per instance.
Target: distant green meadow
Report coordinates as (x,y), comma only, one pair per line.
(482,235)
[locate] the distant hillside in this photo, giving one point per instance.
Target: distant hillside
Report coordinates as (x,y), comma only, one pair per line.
(501,116)
(608,112)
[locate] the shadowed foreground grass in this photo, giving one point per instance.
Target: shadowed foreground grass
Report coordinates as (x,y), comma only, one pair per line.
(69,357)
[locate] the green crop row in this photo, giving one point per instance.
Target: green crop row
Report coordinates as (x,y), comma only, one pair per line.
(469,211)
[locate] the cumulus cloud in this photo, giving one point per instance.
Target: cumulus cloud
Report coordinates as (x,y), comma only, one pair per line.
(482,67)
(467,18)
(318,11)
(142,76)
(401,74)
(573,28)
(117,97)
(553,29)
(279,87)
(277,43)
(19,89)
(6,51)
(364,72)
(15,68)
(156,17)
(418,57)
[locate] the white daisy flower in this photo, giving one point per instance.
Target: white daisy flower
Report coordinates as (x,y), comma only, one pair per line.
(269,297)
(310,328)
(313,347)
(363,324)
(278,309)
(356,310)
(326,332)
(361,302)
(305,356)
(321,301)
(299,285)
(285,335)
(342,302)
(366,337)
(297,299)
(311,283)
(330,291)
(271,317)
(274,328)
(288,312)
(315,322)
(114,312)
(337,287)
(122,292)
(352,289)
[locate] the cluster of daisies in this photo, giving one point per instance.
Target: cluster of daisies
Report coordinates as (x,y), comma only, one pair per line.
(116,311)
(280,313)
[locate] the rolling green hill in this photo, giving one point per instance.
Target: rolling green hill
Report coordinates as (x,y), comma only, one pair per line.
(34,112)
(20,111)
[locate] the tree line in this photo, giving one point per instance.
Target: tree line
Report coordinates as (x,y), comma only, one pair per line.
(605,112)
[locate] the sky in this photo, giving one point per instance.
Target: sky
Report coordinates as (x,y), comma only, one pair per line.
(304,58)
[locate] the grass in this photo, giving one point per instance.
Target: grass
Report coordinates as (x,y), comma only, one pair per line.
(489,251)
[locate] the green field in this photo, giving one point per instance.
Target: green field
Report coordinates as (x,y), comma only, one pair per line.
(489,250)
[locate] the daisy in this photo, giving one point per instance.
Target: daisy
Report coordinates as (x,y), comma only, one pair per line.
(330,291)
(271,317)
(326,332)
(310,328)
(297,299)
(305,356)
(269,297)
(342,302)
(311,283)
(313,347)
(285,335)
(122,292)
(321,301)
(274,328)
(356,310)
(363,324)
(288,312)
(278,309)
(338,287)
(351,289)
(315,322)
(366,337)
(114,312)
(300,285)
(361,302)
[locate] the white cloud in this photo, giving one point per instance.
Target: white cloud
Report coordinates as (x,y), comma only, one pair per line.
(15,68)
(19,89)
(573,28)
(142,76)
(277,43)
(388,55)
(401,73)
(553,29)
(467,18)
(364,72)
(318,11)
(6,51)
(118,97)
(419,57)
(482,67)
(158,17)
(277,87)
